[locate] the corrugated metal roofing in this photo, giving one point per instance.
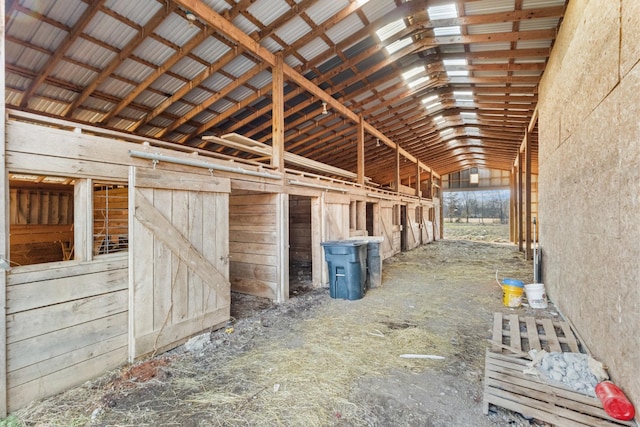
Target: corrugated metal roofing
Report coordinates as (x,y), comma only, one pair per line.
(267,11)
(355,78)
(73,73)
(153,51)
(483,7)
(293,30)
(91,54)
(501,27)
(312,49)
(344,29)
(177,30)
(108,29)
(188,68)
(138,11)
(321,11)
(211,50)
(133,70)
(539,24)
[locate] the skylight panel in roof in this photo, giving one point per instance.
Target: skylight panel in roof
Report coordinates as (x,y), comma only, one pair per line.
(457,73)
(468,115)
(462,94)
(407,75)
(433,106)
(418,82)
(446,132)
(398,44)
(453,62)
(488,6)
(453,30)
(446,11)
(390,29)
(429,99)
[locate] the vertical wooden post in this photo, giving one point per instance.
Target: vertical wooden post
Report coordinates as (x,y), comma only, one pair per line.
(519,205)
(418,193)
(277,94)
(527,206)
(361,215)
(282,244)
(361,151)
(397,176)
(431,184)
(512,206)
(83,220)
(4,229)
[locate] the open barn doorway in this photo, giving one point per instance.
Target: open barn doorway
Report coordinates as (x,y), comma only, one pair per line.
(301,246)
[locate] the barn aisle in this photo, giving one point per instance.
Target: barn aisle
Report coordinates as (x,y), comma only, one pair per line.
(317,361)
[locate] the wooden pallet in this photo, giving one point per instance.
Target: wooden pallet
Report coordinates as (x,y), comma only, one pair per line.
(506,385)
(513,334)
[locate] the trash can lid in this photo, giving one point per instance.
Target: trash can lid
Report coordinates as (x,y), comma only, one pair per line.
(343,243)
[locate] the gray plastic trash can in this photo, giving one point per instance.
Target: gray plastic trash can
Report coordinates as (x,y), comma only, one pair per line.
(347,261)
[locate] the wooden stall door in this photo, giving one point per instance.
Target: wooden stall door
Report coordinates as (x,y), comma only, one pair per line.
(179,273)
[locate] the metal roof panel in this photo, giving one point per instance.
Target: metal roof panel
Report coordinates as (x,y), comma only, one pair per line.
(150,98)
(59,11)
(271,45)
(482,7)
(167,84)
(139,11)
(267,11)
(133,70)
(177,30)
(153,51)
(535,4)
(115,87)
(238,66)
(487,47)
(375,10)
(244,24)
(344,28)
(197,96)
(539,24)
(312,49)
(216,82)
(89,53)
(211,50)
(188,68)
(293,30)
(73,73)
(262,80)
(500,27)
(325,9)
(110,30)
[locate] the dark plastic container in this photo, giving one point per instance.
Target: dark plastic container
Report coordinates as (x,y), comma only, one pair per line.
(347,260)
(374,264)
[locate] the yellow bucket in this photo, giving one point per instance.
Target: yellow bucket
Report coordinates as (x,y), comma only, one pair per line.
(512,291)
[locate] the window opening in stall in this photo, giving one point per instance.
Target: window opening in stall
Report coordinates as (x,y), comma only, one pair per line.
(110,218)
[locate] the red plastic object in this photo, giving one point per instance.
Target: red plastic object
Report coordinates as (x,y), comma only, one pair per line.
(614,401)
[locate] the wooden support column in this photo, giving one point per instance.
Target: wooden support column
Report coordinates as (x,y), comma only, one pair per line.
(83,220)
(282,243)
(431,184)
(418,180)
(4,228)
(527,191)
(397,176)
(361,151)
(361,215)
(519,204)
(512,206)
(277,93)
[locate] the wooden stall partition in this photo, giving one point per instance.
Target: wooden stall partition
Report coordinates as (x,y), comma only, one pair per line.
(178,259)
(334,219)
(300,229)
(412,226)
(66,324)
(253,245)
(389,221)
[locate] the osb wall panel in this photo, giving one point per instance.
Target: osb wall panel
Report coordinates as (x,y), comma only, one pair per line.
(630,34)
(589,193)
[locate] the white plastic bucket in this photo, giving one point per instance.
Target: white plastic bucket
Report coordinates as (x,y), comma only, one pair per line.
(535,295)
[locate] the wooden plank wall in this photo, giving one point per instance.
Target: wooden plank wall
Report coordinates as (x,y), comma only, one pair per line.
(300,230)
(66,324)
(252,244)
(412,232)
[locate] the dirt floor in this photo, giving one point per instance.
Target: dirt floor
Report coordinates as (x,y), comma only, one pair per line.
(318,361)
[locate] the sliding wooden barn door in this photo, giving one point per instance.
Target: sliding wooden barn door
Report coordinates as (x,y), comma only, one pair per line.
(179,271)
